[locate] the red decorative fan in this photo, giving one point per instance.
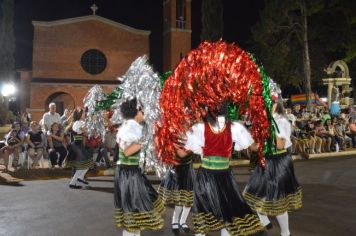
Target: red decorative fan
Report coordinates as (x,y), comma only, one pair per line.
(205,78)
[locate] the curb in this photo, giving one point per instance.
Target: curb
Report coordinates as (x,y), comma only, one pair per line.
(237,163)
(46,174)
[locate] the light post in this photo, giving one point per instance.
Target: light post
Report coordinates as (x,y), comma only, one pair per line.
(8,90)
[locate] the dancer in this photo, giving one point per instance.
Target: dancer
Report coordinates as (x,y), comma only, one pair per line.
(138,205)
(78,158)
(177,189)
(274,191)
(218,204)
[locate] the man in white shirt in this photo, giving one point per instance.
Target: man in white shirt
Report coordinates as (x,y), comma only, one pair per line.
(48,119)
(51,117)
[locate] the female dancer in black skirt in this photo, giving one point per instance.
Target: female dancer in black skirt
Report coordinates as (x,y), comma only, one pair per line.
(138,205)
(177,189)
(274,190)
(218,204)
(78,158)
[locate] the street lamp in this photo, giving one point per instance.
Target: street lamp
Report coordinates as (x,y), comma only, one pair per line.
(8,90)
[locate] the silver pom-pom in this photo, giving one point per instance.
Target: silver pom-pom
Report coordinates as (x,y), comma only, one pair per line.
(274,89)
(94,119)
(142,83)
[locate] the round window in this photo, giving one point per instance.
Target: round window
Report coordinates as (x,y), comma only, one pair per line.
(93,61)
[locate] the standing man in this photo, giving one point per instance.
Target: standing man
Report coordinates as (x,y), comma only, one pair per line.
(48,119)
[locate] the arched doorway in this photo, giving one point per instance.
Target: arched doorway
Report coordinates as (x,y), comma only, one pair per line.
(62,100)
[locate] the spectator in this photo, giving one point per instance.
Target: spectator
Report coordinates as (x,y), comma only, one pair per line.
(50,117)
(321,132)
(65,118)
(352,112)
(4,154)
(325,116)
(315,141)
(35,140)
(56,145)
(290,116)
(352,131)
(340,128)
(299,145)
(335,141)
(13,145)
(297,111)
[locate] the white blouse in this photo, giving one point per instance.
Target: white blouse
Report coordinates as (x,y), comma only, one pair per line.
(285,129)
(129,132)
(77,126)
(196,140)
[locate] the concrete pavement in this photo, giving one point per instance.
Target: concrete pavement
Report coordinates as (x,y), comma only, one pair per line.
(46,208)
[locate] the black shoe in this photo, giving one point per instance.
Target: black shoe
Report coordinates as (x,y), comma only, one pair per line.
(175,230)
(75,186)
(269,226)
(83,181)
(185,228)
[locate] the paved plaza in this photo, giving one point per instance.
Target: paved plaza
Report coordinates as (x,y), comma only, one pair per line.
(49,207)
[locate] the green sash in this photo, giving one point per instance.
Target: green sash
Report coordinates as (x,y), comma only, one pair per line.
(215,163)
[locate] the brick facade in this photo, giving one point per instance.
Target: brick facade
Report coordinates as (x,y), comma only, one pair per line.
(57,75)
(176,32)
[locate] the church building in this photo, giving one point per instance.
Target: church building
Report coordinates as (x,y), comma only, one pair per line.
(72,55)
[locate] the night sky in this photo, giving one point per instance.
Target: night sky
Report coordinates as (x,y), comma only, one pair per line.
(239,17)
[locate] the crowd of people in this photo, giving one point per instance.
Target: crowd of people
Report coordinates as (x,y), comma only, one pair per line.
(49,139)
(318,131)
(312,132)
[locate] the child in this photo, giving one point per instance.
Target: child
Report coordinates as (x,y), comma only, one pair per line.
(138,205)
(218,204)
(177,188)
(274,191)
(78,158)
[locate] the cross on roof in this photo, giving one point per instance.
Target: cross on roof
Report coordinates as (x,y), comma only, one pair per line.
(94,8)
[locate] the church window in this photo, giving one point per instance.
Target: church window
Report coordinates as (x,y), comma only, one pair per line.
(180,14)
(93,61)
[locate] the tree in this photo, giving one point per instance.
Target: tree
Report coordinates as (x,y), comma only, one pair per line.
(334,31)
(212,20)
(282,41)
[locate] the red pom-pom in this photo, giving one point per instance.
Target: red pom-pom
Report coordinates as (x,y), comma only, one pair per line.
(206,77)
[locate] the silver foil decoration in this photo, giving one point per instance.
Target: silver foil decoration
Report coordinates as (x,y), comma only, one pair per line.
(142,83)
(274,89)
(94,119)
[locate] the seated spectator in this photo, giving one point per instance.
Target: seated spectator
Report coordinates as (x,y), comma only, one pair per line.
(35,140)
(325,116)
(340,129)
(315,142)
(4,154)
(56,143)
(13,145)
(336,142)
(290,116)
(299,145)
(352,131)
(321,132)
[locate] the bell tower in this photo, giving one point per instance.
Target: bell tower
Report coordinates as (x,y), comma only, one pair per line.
(177,31)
